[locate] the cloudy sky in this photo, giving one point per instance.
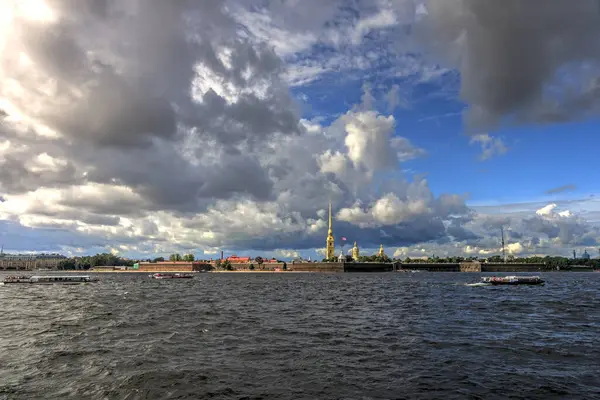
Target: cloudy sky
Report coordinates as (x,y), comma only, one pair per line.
(146,127)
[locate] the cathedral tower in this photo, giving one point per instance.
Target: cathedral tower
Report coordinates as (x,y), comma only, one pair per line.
(355,252)
(330,241)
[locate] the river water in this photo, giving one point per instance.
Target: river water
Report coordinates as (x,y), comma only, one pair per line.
(302,336)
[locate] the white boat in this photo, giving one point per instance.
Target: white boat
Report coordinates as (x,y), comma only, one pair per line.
(512,280)
(50,279)
(171,276)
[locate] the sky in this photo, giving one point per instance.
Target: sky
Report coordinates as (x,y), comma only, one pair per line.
(145,127)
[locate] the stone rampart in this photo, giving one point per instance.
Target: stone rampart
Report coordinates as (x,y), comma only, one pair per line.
(433,267)
(263,267)
(368,267)
(498,267)
(470,266)
(165,267)
(316,267)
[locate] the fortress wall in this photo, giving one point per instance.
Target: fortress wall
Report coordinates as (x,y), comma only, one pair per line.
(368,267)
(489,267)
(316,267)
(264,267)
(473,266)
(434,267)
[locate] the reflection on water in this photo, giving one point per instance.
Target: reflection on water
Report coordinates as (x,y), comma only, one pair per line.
(302,336)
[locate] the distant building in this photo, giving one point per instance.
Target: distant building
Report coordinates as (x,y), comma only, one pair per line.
(238,260)
(381,252)
(30,261)
(585,255)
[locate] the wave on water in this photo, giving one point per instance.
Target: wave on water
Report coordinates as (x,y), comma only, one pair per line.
(301,336)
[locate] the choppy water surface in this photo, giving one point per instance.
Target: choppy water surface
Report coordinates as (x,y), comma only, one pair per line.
(302,336)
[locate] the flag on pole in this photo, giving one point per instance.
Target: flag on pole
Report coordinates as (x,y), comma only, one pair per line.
(343,238)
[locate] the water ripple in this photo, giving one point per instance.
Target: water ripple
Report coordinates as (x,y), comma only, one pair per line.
(302,336)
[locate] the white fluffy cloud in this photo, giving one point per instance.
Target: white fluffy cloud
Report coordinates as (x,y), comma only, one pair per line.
(156,126)
(534,229)
(178,137)
(490,146)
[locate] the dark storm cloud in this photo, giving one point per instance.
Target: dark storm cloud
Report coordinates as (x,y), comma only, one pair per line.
(519,57)
(124,107)
(390,236)
(561,189)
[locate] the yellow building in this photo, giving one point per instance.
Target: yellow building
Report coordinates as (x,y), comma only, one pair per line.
(355,252)
(330,242)
(381,253)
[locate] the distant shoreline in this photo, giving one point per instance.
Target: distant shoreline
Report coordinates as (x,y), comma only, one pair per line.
(166,272)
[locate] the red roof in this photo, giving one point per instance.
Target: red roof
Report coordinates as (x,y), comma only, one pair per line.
(235,258)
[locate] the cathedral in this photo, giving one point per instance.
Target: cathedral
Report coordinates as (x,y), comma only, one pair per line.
(330,245)
(355,252)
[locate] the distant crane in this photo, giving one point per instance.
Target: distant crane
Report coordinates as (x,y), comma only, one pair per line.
(503,250)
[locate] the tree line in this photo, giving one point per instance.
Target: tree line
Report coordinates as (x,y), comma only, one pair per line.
(98,260)
(108,259)
(550,261)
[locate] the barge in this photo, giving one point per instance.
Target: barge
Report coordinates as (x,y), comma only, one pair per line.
(49,279)
(171,276)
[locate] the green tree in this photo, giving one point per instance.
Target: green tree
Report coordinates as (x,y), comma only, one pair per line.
(226,265)
(159,259)
(188,257)
(175,257)
(251,267)
(68,264)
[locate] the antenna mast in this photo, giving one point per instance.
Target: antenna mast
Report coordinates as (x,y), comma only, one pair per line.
(503,250)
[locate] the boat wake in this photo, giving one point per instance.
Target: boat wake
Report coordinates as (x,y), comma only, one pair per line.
(478,284)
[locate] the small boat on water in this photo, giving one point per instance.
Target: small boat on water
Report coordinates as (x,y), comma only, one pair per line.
(171,276)
(49,279)
(509,280)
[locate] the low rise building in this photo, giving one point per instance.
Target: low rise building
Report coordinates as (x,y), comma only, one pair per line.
(30,261)
(238,260)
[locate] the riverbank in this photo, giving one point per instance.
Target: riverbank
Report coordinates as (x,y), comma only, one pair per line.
(166,272)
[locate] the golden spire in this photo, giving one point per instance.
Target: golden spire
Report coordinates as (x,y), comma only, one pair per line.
(330,240)
(330,224)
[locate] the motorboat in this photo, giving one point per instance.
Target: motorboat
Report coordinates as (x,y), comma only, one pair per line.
(49,279)
(171,276)
(512,280)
